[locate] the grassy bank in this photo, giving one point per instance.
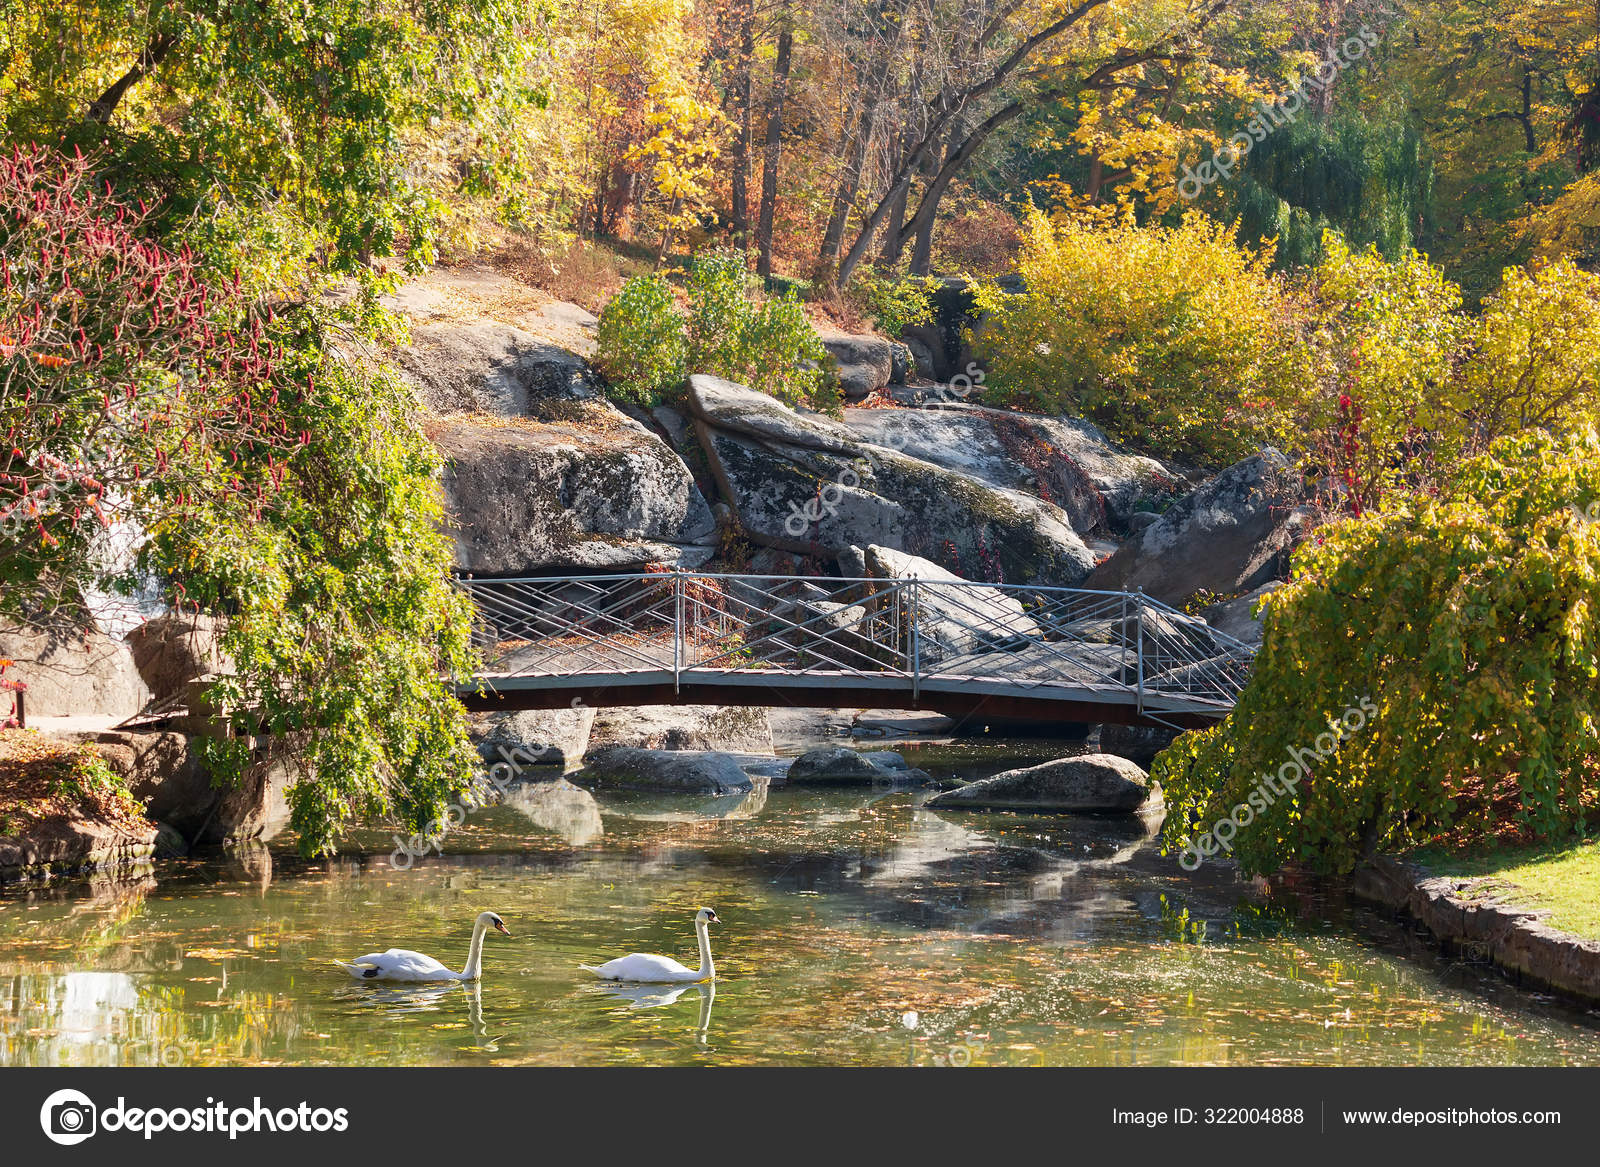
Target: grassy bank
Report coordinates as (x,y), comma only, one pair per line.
(1561,879)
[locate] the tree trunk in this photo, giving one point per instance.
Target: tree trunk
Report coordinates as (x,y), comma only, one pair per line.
(102,107)
(922,248)
(742,98)
(949,105)
(1526,117)
(923,219)
(849,183)
(774,142)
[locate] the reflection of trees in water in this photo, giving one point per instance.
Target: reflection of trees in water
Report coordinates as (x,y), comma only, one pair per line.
(115,1019)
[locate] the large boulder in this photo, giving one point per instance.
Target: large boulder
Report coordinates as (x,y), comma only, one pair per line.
(165,772)
(730,728)
(484,343)
(666,771)
(72,672)
(840,766)
(865,362)
(173,651)
(1067,461)
(1237,617)
(1232,534)
(548,498)
(1087,784)
(805,484)
(533,737)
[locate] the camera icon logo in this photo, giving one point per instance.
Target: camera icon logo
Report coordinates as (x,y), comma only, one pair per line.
(68,1117)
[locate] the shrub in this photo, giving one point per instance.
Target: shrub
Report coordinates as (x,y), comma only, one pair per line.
(1471,620)
(784,357)
(1418,384)
(641,349)
(646,347)
(1174,339)
(1387,338)
(1535,358)
(897,304)
(719,314)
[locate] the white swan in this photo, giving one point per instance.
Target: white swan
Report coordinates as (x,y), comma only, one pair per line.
(642,966)
(400,964)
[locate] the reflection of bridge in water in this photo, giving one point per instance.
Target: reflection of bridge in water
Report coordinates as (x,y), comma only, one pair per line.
(958,647)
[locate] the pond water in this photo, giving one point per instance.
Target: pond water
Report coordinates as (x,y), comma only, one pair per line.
(1016,940)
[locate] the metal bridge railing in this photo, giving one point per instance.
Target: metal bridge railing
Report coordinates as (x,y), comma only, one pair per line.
(1043,641)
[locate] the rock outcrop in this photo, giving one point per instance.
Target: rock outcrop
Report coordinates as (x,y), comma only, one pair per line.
(72,673)
(1086,784)
(805,484)
(954,621)
(164,771)
(484,343)
(533,737)
(542,473)
(173,651)
(544,498)
(1235,617)
(1066,460)
(1232,534)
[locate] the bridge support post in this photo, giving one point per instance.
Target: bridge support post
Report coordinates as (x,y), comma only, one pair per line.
(916,644)
(677,631)
(1138,616)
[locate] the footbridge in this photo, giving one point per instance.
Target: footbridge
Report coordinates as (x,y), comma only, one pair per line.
(957,647)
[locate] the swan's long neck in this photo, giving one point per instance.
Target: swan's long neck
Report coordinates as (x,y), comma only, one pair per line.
(707,969)
(474,967)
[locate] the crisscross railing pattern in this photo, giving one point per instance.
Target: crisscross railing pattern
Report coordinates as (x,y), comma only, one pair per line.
(922,635)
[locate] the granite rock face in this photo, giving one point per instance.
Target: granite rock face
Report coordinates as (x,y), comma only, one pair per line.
(731,728)
(1066,460)
(1232,534)
(532,499)
(805,484)
(76,673)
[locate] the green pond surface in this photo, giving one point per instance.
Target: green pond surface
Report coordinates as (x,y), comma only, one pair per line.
(1016,940)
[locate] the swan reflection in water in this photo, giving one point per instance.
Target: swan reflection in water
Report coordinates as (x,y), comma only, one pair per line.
(398,1000)
(655,996)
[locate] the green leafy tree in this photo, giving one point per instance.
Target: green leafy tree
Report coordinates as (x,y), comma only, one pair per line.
(345,629)
(270,131)
(1468,621)
(284,486)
